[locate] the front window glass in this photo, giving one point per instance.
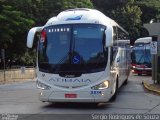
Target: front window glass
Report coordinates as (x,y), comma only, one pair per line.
(72,48)
(88,43)
(141,56)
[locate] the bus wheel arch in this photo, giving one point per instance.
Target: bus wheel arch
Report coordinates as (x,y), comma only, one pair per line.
(113,98)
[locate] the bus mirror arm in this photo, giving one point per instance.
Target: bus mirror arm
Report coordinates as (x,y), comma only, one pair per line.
(104,40)
(118,60)
(31,35)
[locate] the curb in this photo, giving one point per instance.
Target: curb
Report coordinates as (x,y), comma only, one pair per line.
(147,86)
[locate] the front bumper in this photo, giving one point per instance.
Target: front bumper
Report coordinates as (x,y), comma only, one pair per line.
(82,96)
(142,70)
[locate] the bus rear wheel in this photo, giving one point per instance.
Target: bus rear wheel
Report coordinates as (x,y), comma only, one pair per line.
(126,81)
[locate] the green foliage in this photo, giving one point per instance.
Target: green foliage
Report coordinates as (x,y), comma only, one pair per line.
(150,9)
(127,14)
(69,4)
(12,23)
(41,10)
(131,14)
(128,17)
(28,58)
(18,16)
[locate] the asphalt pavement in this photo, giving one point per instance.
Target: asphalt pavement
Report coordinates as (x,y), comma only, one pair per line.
(22,99)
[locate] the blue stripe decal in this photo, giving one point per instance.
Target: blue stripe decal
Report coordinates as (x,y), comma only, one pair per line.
(75,18)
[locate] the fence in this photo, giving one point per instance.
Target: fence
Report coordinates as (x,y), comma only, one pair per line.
(20,74)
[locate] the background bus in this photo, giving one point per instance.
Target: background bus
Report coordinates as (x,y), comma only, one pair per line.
(80,57)
(141,56)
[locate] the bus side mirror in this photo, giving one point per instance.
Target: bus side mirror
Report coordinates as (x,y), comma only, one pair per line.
(31,35)
(118,59)
(109,36)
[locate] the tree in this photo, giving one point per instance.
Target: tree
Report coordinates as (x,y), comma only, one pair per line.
(129,17)
(127,14)
(150,9)
(12,23)
(18,16)
(130,14)
(41,10)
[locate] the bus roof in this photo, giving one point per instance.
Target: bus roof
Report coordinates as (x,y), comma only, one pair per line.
(144,40)
(81,15)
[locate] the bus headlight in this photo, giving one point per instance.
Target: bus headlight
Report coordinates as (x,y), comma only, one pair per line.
(42,86)
(101,86)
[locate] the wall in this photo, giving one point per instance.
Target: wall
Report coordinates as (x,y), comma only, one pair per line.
(20,74)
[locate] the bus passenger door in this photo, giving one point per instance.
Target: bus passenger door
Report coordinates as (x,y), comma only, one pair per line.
(121,65)
(113,64)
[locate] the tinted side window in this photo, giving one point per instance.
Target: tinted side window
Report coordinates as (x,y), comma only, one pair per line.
(122,35)
(114,51)
(115,33)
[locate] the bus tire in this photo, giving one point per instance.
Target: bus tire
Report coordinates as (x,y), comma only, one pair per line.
(126,81)
(113,98)
(139,74)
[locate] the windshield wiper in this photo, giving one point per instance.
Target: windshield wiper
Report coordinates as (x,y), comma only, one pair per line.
(57,66)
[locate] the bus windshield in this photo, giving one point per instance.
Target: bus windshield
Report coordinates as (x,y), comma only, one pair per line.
(72,48)
(141,56)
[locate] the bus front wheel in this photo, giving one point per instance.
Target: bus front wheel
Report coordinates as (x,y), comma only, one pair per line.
(113,98)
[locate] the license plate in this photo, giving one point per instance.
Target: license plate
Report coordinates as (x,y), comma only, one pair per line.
(70,95)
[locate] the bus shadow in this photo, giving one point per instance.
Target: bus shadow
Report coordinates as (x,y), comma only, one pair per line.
(78,105)
(142,75)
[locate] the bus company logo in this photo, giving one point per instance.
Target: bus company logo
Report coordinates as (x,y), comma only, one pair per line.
(69,76)
(9,117)
(69,80)
(43,75)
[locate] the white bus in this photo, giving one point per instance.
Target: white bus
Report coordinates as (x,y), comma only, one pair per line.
(79,58)
(141,56)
